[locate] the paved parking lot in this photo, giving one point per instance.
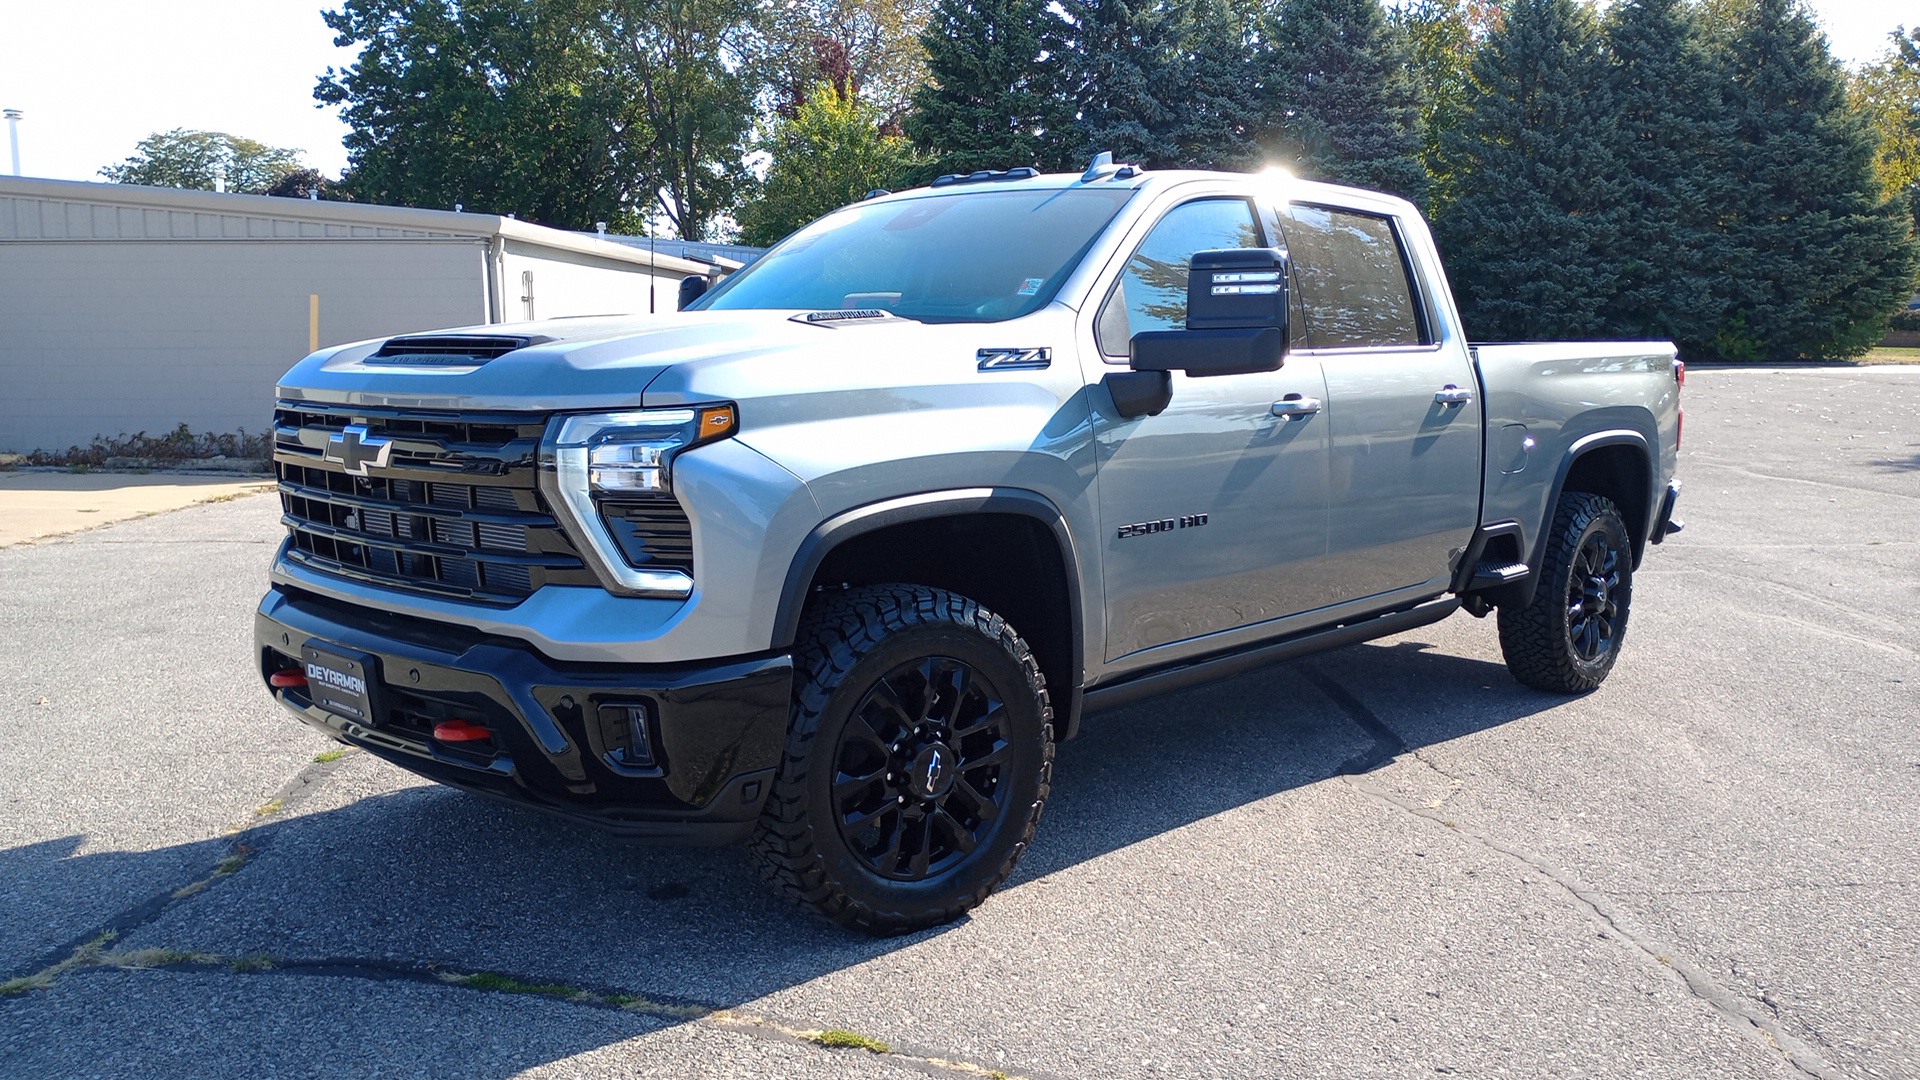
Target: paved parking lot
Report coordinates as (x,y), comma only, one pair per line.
(1390,861)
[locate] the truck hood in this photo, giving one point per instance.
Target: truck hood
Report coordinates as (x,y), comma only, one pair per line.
(581,363)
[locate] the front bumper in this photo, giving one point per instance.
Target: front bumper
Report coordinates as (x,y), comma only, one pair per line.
(711,735)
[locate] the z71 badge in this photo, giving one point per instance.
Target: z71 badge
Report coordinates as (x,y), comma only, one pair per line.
(1148,528)
(1014,359)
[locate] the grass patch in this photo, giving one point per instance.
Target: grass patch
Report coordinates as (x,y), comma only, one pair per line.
(1892,354)
(251,962)
(271,806)
(325,756)
(151,958)
(507,984)
(842,1039)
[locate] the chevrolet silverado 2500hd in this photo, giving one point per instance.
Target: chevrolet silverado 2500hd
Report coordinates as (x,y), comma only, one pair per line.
(831,559)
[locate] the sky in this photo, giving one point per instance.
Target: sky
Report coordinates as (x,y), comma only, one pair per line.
(94,77)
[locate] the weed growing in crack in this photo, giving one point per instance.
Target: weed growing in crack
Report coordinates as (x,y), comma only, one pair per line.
(493,980)
(271,806)
(842,1039)
(251,962)
(325,756)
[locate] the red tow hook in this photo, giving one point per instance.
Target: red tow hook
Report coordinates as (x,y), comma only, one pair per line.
(289,677)
(460,731)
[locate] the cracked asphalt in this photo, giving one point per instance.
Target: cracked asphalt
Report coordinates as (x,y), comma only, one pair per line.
(1388,861)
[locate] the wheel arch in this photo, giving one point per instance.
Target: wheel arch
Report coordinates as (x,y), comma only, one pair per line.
(1007,548)
(1617,463)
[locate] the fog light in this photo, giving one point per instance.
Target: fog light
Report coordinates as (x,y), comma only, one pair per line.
(626,732)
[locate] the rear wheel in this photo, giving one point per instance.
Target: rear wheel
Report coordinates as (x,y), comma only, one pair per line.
(1568,637)
(918,759)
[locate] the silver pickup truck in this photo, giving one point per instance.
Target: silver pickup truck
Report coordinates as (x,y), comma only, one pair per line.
(831,559)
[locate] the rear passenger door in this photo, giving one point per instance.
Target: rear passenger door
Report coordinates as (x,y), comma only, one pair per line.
(1404,408)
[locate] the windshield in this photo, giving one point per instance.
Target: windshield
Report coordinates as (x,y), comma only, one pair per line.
(968,256)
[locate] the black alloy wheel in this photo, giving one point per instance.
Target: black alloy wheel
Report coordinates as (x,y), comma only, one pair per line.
(918,760)
(1590,590)
(918,778)
(1568,637)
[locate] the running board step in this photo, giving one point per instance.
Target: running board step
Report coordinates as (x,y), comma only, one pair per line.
(1492,575)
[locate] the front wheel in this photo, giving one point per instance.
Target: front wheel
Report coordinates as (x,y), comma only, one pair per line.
(1567,639)
(918,759)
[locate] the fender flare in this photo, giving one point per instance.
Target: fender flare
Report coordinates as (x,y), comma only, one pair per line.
(926,506)
(1580,448)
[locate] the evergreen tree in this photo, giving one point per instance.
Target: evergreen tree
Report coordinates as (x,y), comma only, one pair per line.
(1822,255)
(995,99)
(1529,216)
(1347,105)
(1673,141)
(1127,71)
(1217,121)
(829,154)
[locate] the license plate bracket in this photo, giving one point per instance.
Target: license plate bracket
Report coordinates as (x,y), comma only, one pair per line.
(344,682)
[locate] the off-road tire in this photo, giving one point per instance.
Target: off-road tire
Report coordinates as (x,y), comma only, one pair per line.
(1567,639)
(849,643)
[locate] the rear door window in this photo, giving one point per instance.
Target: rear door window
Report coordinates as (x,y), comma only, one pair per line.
(1350,272)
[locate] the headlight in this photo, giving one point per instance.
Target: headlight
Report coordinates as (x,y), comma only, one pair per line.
(617,458)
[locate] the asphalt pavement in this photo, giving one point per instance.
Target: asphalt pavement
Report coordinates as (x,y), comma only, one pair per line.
(1388,861)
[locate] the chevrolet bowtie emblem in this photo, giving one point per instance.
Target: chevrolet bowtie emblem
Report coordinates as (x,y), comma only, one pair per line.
(355,448)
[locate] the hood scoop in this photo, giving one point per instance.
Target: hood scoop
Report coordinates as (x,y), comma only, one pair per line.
(448,350)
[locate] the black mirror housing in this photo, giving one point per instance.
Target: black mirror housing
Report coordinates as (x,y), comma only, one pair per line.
(1237,288)
(692,287)
(1236,317)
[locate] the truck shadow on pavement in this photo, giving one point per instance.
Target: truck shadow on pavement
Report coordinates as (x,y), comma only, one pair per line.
(415,882)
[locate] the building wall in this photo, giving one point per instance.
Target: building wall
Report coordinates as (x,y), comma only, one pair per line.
(112,337)
(567,283)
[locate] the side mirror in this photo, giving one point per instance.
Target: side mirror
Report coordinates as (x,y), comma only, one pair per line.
(692,287)
(1236,317)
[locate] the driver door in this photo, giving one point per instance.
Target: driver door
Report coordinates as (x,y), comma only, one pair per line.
(1212,510)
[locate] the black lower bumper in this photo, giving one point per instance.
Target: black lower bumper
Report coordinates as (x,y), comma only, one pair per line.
(675,753)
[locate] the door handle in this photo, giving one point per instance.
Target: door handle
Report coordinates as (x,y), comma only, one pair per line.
(1452,395)
(1294,407)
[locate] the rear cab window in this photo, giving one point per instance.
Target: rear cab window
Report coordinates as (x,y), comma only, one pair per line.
(1353,281)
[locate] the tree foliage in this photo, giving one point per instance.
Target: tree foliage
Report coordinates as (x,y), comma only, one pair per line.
(830,153)
(1821,254)
(868,49)
(688,65)
(1125,73)
(995,97)
(1347,107)
(1888,91)
(1529,216)
(1441,37)
(198,159)
(506,106)
(1673,140)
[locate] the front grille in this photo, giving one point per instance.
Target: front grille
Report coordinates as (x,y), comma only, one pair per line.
(454,512)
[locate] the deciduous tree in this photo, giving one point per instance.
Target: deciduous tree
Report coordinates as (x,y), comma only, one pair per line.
(506,106)
(200,159)
(830,153)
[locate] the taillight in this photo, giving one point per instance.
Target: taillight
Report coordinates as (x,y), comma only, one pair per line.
(1680,371)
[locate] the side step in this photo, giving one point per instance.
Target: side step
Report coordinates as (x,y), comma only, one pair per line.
(1492,575)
